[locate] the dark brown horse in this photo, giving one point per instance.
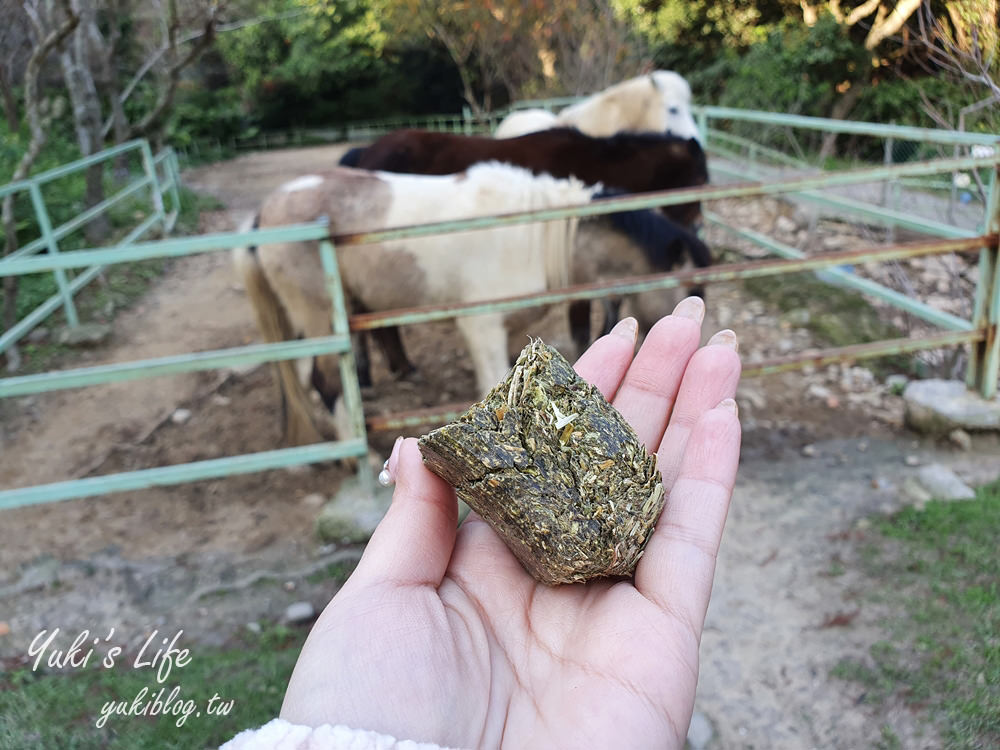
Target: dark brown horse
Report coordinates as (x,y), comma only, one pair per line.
(623,163)
(633,162)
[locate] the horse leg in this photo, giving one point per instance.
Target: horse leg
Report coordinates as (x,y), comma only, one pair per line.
(612,311)
(579,324)
(362,361)
(486,337)
(391,344)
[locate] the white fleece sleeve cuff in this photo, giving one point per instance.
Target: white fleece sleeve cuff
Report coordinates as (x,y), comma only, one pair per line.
(278,734)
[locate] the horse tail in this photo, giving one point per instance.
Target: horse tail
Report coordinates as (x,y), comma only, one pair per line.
(661,238)
(352,157)
(272,320)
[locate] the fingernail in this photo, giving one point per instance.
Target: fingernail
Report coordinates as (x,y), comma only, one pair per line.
(729,405)
(387,476)
(627,328)
(725,337)
(691,307)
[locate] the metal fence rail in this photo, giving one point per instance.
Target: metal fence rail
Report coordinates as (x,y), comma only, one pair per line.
(980,331)
(161,177)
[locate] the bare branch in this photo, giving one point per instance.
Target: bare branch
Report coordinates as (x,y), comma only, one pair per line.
(195,36)
(152,120)
(887,25)
(862,11)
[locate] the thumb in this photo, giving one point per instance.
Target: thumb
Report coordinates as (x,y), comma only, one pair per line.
(413,543)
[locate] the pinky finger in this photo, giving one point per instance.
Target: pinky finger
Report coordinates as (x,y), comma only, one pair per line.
(678,566)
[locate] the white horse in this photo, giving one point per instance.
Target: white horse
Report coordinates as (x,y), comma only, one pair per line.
(525,121)
(658,102)
(285,282)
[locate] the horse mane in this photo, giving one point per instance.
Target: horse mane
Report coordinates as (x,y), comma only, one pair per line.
(352,156)
(660,238)
(526,191)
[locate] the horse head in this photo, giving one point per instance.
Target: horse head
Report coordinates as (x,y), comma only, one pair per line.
(675,100)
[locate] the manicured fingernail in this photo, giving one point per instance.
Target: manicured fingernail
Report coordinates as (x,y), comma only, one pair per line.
(627,328)
(691,307)
(725,337)
(729,405)
(387,476)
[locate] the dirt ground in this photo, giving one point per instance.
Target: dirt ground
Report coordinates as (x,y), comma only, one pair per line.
(132,560)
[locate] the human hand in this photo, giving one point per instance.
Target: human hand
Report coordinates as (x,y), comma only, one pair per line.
(441,636)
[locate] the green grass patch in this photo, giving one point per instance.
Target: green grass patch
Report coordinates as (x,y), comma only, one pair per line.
(62,710)
(941,568)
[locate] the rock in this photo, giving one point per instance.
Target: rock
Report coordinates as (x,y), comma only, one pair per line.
(180,416)
(254,627)
(960,439)
(912,460)
(820,392)
(915,493)
(314,500)
(940,406)
(784,224)
(700,731)
(38,335)
(809,450)
(85,334)
(352,515)
(299,612)
(219,400)
(881,484)
(943,484)
(749,394)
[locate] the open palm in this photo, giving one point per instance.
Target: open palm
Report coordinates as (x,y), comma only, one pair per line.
(441,636)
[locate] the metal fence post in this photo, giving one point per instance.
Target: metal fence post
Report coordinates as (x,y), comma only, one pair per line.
(984,360)
(154,182)
(45,225)
(348,367)
(703,126)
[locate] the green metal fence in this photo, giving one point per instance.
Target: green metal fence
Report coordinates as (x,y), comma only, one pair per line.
(160,179)
(980,330)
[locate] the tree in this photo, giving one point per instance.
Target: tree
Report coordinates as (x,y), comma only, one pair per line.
(92,56)
(46,39)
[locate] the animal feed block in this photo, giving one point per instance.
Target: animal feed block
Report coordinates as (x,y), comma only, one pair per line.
(554,469)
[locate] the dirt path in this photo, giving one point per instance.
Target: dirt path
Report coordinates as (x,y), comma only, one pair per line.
(132,560)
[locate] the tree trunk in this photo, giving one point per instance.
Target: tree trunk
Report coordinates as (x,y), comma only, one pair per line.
(841,109)
(47,40)
(9,102)
(86,117)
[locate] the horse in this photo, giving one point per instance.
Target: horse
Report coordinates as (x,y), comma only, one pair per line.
(285,282)
(634,162)
(525,121)
(352,156)
(658,102)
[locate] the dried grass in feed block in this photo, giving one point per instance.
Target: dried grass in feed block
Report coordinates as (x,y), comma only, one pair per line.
(554,469)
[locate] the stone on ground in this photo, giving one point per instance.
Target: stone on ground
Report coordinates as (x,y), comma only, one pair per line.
(352,515)
(699,732)
(85,334)
(299,612)
(940,406)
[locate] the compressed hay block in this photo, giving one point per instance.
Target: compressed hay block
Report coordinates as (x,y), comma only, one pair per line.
(554,469)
